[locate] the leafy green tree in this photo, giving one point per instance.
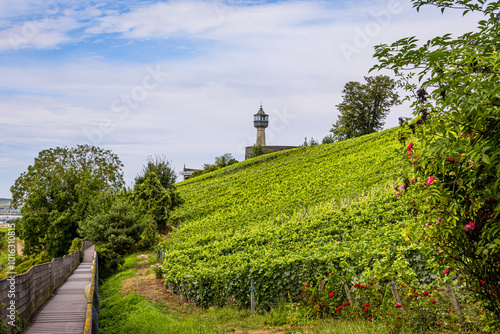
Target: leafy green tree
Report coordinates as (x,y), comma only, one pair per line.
(115,232)
(328,139)
(225,160)
(220,162)
(256,151)
(364,107)
(160,166)
(453,141)
(154,191)
(59,191)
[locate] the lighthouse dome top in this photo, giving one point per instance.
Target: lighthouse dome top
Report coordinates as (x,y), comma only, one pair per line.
(261,119)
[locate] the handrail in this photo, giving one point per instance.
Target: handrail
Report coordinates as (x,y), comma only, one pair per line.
(92,314)
(31,289)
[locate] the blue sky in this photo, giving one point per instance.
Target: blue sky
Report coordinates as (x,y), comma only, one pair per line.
(183,78)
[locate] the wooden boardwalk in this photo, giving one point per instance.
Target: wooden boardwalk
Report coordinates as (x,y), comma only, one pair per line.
(64,312)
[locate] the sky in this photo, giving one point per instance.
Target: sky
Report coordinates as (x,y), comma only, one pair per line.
(183,78)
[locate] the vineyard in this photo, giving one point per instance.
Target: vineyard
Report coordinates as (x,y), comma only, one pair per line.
(282,219)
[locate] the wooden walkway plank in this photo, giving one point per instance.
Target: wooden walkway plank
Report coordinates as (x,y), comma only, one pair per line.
(64,312)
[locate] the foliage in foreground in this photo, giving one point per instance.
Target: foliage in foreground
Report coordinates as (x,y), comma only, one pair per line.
(453,143)
(425,309)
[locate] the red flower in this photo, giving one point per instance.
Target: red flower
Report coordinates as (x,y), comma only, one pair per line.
(371,283)
(370,319)
(331,294)
(338,308)
(409,146)
(469,226)
(346,304)
(397,305)
(433,301)
(306,284)
(425,293)
(366,310)
(367,304)
(430,180)
(364,287)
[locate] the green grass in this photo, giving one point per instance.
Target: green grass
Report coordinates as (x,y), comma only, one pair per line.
(134,314)
(3,246)
(351,327)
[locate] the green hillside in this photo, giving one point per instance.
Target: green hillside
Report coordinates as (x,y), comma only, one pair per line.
(279,220)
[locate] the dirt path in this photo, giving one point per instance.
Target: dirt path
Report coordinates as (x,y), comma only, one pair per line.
(145,284)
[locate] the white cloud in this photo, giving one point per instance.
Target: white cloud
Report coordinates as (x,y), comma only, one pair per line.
(287,54)
(46,28)
(160,20)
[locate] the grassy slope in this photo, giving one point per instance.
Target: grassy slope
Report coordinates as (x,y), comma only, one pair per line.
(281,217)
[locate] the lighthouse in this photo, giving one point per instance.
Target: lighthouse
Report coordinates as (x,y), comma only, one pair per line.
(261,121)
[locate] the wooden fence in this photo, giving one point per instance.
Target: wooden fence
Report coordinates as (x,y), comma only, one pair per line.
(92,315)
(22,295)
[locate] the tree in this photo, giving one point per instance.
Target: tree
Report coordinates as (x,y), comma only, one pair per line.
(62,188)
(452,144)
(154,191)
(364,107)
(312,142)
(220,162)
(225,160)
(162,168)
(256,151)
(115,232)
(328,139)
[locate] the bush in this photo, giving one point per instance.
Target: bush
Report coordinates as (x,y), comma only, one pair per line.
(23,264)
(452,145)
(76,245)
(115,233)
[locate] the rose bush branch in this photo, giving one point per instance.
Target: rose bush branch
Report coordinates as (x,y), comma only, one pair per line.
(455,138)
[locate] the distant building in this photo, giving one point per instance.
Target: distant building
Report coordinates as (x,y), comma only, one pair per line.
(261,122)
(187,172)
(9,219)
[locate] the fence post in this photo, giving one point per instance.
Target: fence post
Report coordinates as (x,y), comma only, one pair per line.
(252,297)
(348,292)
(185,291)
(455,303)
(395,293)
(179,290)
